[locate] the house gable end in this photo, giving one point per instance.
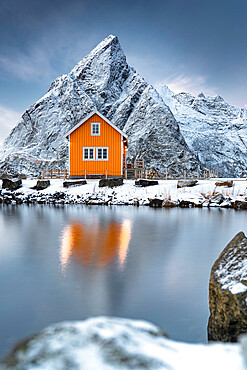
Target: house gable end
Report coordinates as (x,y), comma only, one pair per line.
(102,118)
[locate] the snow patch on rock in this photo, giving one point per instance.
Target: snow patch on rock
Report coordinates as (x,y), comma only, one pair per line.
(108,343)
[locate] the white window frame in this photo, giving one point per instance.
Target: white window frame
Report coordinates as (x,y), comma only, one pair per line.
(88,159)
(102,159)
(95,123)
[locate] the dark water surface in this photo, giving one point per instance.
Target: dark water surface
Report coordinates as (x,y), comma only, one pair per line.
(74,262)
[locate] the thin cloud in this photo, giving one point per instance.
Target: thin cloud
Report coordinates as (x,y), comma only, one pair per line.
(193,84)
(8,119)
(31,66)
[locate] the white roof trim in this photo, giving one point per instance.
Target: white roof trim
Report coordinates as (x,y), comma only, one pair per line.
(101,116)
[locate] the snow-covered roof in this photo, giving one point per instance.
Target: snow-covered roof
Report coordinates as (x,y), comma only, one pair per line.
(101,116)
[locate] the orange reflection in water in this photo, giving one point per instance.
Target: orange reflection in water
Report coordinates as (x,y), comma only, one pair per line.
(95,244)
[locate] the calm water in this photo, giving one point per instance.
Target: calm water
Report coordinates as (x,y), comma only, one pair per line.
(75,262)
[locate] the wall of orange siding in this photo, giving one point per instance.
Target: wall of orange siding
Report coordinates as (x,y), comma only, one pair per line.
(81,137)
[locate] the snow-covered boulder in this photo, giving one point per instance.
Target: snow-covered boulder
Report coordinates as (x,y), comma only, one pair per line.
(186,183)
(227,183)
(105,343)
(11,184)
(228,292)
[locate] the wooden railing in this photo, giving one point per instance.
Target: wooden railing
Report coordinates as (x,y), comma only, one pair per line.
(136,171)
(55,174)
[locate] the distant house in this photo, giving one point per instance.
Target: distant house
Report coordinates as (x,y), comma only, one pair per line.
(96,147)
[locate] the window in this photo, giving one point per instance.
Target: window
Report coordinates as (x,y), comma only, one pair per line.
(88,154)
(105,153)
(95,129)
(102,154)
(99,153)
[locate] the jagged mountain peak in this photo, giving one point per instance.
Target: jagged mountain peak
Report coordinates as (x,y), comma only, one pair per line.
(201,95)
(214,129)
(107,51)
(102,80)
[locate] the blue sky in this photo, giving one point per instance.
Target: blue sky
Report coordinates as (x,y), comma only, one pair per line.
(191,45)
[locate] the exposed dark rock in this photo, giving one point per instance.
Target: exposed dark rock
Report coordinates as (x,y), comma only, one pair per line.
(144,182)
(67,184)
(22,176)
(227,183)
(155,203)
(5,176)
(42,184)
(186,204)
(228,292)
(12,184)
(168,203)
(110,182)
(217,198)
(185,183)
(239,204)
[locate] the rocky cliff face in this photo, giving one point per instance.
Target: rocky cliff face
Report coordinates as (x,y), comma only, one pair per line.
(104,81)
(228,292)
(213,129)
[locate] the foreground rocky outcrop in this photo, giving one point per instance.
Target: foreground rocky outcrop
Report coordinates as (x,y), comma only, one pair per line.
(228,292)
(105,343)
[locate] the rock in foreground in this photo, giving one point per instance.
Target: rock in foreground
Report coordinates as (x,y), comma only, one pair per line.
(228,292)
(144,182)
(12,184)
(227,183)
(110,182)
(68,183)
(186,183)
(113,343)
(42,184)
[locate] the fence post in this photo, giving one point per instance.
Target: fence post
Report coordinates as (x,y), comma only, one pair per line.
(184,174)
(166,174)
(85,174)
(106,174)
(51,173)
(197,175)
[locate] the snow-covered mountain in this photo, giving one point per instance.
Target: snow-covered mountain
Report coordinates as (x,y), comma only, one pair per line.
(104,81)
(213,129)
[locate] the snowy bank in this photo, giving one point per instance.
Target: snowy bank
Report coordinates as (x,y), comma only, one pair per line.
(114,343)
(205,193)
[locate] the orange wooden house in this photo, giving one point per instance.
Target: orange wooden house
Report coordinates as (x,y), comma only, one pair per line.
(96,148)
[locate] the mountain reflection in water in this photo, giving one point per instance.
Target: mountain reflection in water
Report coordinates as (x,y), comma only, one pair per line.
(95,244)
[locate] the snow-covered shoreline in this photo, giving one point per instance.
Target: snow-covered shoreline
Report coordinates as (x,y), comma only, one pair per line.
(204,194)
